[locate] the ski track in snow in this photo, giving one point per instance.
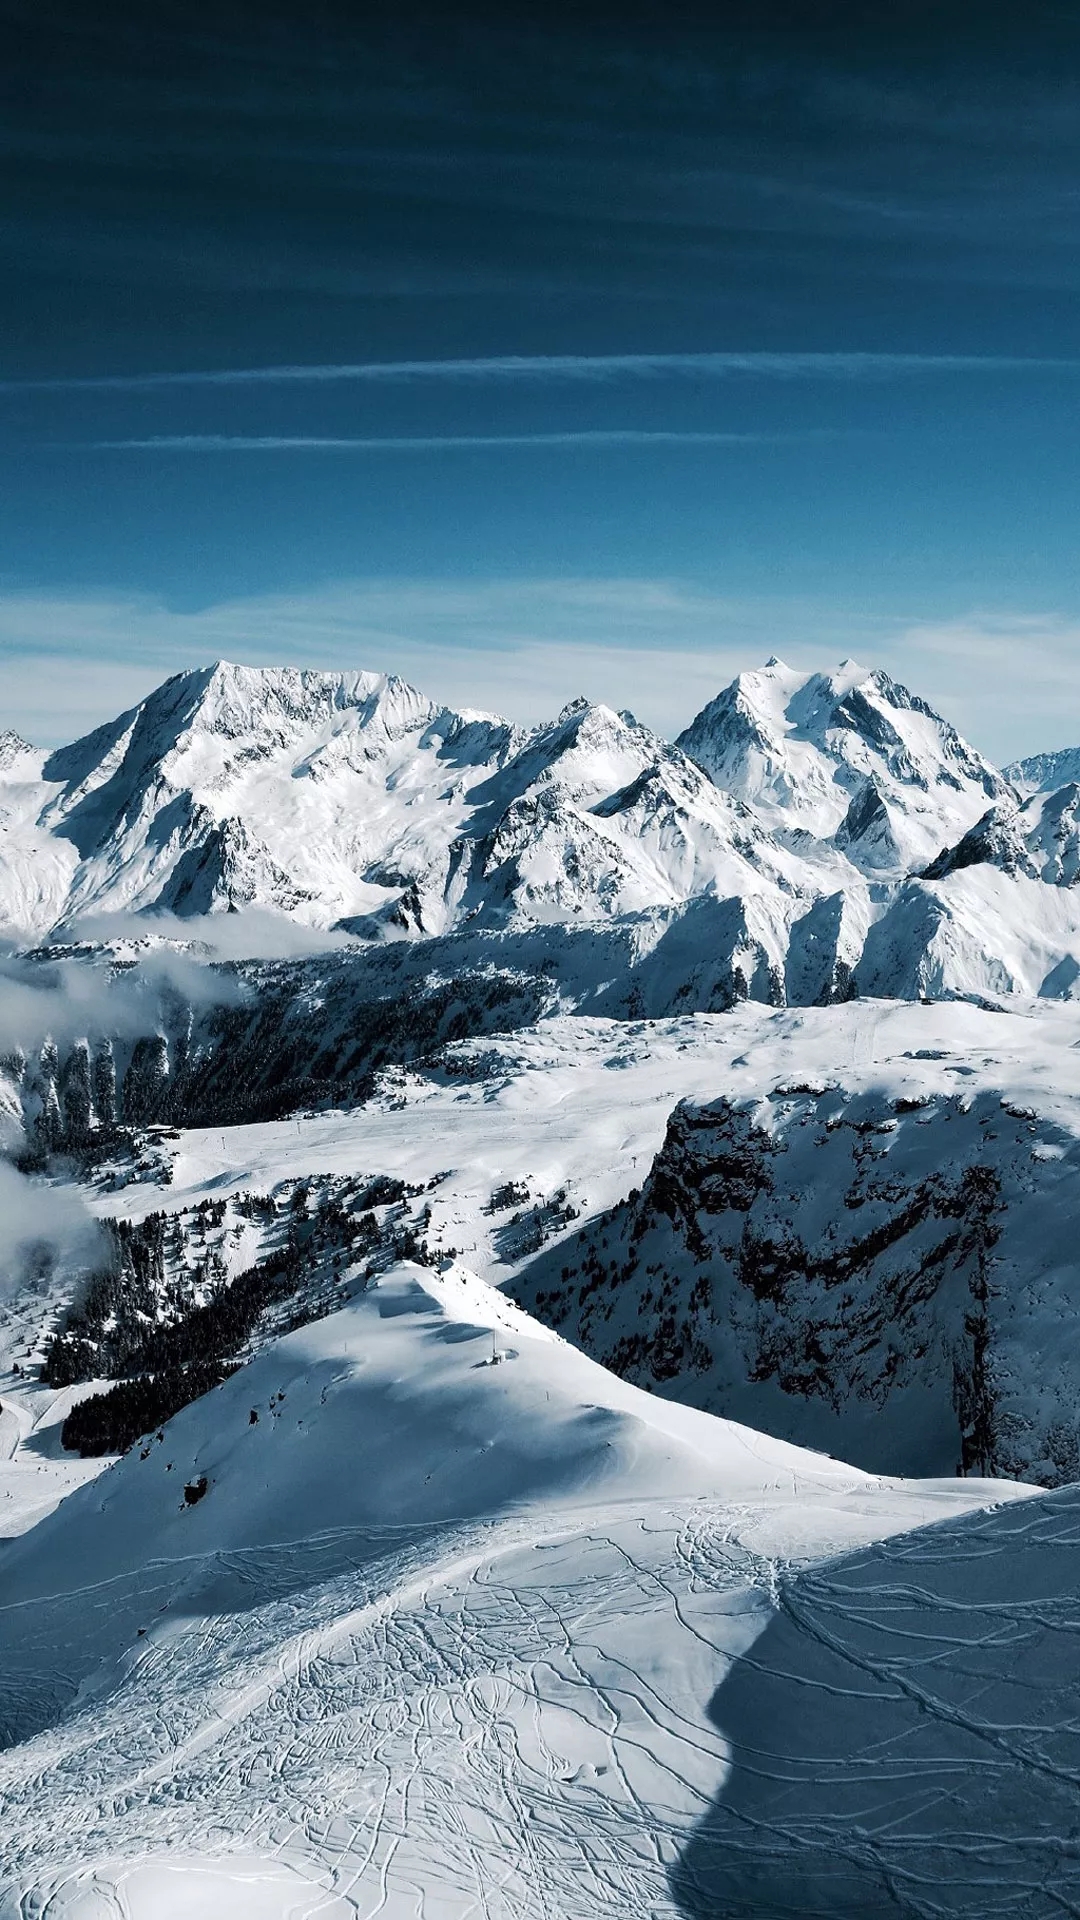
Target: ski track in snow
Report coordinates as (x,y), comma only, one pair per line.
(931,1764)
(465,1736)
(511,1725)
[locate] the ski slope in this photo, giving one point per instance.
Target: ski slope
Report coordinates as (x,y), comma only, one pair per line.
(906,1734)
(439,1637)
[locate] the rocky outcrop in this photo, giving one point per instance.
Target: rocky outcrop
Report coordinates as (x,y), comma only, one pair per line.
(887,1279)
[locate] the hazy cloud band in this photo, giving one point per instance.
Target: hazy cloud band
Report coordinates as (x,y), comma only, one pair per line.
(567,367)
(662,645)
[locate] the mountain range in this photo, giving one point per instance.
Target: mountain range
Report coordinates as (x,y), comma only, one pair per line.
(466,1191)
(853,840)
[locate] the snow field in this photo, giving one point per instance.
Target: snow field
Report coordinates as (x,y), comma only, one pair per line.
(439,1639)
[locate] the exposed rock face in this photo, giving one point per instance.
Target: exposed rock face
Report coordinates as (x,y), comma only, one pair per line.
(866,830)
(995,840)
(813,1262)
(228,867)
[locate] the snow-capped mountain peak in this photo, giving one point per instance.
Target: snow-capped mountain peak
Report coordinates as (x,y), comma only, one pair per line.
(848,750)
(232,785)
(12,748)
(811,835)
(1045,772)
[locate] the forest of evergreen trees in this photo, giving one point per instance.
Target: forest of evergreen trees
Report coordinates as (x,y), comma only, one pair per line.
(168,1331)
(271,1048)
(112,1422)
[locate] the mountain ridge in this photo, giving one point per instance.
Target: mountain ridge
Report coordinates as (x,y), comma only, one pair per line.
(837,815)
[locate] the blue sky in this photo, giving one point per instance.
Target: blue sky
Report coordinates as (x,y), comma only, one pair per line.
(609,353)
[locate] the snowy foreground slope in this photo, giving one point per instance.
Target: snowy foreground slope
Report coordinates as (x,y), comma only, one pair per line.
(439,1636)
(424,1612)
(905,1734)
(461,1624)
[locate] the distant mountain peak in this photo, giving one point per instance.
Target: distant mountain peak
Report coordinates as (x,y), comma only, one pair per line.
(579,704)
(811,834)
(12,747)
(1045,772)
(802,747)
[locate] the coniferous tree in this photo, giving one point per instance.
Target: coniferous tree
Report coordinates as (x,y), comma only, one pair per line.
(49,1125)
(146,1082)
(77,1099)
(103,1085)
(180,1024)
(13,1061)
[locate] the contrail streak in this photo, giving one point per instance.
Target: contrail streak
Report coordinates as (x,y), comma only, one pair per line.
(435,442)
(563,367)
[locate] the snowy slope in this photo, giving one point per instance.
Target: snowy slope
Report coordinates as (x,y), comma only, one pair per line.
(862,1132)
(438,1636)
(978,931)
(807,1251)
(37,868)
(460,1623)
(905,1736)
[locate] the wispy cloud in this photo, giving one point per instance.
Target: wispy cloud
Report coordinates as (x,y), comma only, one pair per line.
(1013,676)
(660,646)
(598,367)
(520,647)
(444,442)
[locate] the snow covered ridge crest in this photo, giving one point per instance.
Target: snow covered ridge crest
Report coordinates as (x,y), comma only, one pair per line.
(852,839)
